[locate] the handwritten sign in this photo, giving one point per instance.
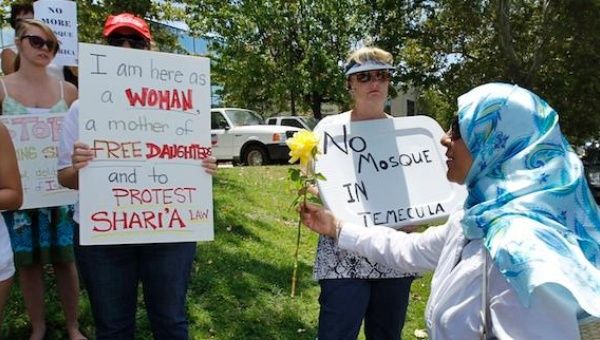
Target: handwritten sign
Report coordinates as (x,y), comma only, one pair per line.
(146,115)
(386,172)
(61,16)
(36,138)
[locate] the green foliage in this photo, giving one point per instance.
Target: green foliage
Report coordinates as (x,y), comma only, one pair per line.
(550,47)
(240,282)
(433,103)
(276,53)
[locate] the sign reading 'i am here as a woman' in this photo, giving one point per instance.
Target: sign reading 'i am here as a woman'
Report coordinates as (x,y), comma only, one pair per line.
(146,116)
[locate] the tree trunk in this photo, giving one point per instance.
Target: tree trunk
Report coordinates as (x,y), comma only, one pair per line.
(293,103)
(316,101)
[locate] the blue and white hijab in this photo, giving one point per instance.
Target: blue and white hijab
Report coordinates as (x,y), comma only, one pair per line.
(528,197)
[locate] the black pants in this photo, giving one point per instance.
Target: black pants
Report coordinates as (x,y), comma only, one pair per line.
(345,302)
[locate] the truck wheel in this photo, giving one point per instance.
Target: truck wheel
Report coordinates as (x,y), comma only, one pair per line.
(255,155)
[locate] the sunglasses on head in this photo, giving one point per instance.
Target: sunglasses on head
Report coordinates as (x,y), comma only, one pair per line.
(365,77)
(39,42)
(454,132)
(135,41)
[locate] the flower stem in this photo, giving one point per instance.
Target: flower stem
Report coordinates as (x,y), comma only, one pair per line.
(294,274)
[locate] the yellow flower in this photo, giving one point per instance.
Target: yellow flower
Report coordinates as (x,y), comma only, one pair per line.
(302,146)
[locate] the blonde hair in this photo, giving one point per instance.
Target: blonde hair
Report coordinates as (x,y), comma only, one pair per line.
(21,31)
(364,54)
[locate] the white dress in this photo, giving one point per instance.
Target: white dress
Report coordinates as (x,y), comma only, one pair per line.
(454,306)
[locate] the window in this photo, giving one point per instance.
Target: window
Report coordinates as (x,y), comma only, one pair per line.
(217,121)
(244,117)
(410,107)
(271,121)
(291,122)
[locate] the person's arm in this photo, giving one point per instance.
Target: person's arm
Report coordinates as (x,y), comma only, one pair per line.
(11,192)
(548,316)
(81,156)
(416,252)
(71,93)
(72,155)
(8,61)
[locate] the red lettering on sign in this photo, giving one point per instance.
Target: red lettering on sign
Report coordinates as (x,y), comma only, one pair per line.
(106,221)
(170,151)
(161,99)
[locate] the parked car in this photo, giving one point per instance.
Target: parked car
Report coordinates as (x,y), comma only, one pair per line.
(241,136)
(307,123)
(591,163)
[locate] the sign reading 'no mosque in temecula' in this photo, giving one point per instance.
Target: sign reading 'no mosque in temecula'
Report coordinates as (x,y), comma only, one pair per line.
(386,172)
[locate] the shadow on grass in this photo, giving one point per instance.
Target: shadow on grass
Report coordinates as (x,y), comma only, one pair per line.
(240,285)
(246,298)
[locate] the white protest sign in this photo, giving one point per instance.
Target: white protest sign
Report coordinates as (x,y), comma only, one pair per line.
(61,16)
(386,172)
(146,116)
(36,138)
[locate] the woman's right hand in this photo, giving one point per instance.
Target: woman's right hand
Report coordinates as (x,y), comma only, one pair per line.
(82,155)
(318,219)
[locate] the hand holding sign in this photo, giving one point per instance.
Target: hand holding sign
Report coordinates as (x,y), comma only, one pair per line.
(82,155)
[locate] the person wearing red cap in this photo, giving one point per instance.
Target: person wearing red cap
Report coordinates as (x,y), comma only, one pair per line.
(127,30)
(111,273)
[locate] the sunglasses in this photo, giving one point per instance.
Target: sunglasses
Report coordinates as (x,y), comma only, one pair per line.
(454,132)
(135,41)
(365,77)
(38,43)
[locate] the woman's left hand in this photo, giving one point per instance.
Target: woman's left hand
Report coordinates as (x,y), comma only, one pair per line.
(318,219)
(210,165)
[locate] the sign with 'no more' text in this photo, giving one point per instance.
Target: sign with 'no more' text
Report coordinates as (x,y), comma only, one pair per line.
(146,116)
(61,17)
(386,172)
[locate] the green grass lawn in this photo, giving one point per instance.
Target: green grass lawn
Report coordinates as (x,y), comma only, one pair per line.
(240,287)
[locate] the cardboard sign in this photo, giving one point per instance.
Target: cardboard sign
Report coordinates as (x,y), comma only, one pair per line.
(386,172)
(146,115)
(61,16)
(36,138)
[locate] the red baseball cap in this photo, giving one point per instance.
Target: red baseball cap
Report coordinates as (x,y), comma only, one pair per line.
(114,22)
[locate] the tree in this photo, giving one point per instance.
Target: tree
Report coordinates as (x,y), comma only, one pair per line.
(550,47)
(277,53)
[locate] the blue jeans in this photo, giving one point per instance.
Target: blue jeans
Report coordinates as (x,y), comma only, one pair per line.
(111,275)
(345,302)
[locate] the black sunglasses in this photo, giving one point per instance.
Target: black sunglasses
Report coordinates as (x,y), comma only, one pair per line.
(365,77)
(39,42)
(454,132)
(135,41)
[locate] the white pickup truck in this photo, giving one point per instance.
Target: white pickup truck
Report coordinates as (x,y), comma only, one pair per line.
(307,123)
(240,136)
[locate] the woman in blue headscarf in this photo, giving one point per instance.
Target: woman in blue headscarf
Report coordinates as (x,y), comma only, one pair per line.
(529,223)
